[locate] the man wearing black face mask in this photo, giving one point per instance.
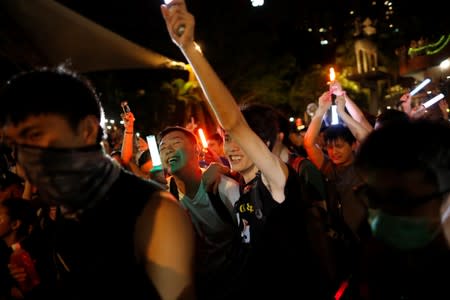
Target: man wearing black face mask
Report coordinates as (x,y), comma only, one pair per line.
(118,236)
(406,167)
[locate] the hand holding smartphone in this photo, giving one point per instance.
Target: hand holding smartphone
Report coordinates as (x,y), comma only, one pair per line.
(125,107)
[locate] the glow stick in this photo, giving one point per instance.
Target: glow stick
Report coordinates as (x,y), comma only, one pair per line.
(341,290)
(334,115)
(433,100)
(420,86)
(154,152)
(203,138)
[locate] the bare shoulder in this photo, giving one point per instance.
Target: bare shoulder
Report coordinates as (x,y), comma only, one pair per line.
(161,213)
(164,242)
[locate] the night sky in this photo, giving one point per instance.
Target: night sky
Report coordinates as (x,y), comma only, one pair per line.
(284,22)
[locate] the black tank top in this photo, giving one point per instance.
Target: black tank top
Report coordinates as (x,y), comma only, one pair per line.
(282,264)
(99,248)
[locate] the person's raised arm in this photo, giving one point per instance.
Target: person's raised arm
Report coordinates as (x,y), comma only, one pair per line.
(313,150)
(353,109)
(220,99)
(405,103)
(127,151)
(357,129)
(164,240)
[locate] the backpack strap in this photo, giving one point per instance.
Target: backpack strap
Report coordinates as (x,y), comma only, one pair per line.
(220,208)
(173,189)
(296,163)
(215,199)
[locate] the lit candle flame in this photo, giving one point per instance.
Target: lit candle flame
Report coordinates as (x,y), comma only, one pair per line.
(332,74)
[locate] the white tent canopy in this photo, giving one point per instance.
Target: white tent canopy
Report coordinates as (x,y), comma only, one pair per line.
(62,35)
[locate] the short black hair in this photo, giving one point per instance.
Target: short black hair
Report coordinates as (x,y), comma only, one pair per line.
(421,145)
(335,132)
(391,116)
(49,90)
(143,158)
(217,137)
(263,119)
(185,131)
(22,210)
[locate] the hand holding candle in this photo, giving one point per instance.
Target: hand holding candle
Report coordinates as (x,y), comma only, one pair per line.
(334,114)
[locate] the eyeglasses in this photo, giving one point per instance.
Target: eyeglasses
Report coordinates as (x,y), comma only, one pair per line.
(373,197)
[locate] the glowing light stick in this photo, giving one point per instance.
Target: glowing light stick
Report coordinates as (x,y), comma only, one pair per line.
(433,100)
(420,86)
(203,138)
(341,290)
(154,152)
(334,114)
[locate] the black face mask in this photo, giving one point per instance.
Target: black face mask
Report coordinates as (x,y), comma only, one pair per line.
(75,178)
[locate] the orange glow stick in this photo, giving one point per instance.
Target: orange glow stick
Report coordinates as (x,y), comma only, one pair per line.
(203,138)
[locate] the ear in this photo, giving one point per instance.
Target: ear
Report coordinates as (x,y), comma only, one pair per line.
(280,137)
(89,128)
(198,149)
(355,146)
(15,225)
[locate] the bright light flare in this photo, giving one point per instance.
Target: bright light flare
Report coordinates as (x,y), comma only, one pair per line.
(256,3)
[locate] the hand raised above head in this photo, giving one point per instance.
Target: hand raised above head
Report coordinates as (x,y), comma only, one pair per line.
(340,103)
(405,98)
(180,23)
(128,118)
(336,88)
(325,100)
